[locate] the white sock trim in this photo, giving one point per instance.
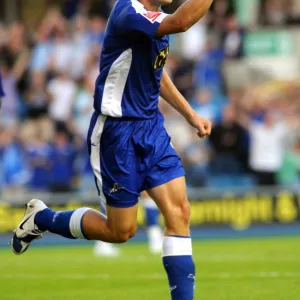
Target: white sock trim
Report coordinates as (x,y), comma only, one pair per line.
(177,246)
(75,222)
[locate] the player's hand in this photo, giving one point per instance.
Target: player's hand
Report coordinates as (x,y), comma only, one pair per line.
(203,125)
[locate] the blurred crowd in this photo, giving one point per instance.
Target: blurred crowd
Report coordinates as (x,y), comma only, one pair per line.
(49,74)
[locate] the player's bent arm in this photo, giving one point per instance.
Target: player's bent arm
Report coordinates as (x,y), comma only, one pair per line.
(170,94)
(189,13)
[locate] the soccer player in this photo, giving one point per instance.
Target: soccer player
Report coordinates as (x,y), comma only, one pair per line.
(154,231)
(129,147)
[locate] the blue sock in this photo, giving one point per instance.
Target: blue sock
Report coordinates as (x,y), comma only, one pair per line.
(179,265)
(67,224)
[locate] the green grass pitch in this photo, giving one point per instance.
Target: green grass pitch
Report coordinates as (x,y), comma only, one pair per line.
(244,269)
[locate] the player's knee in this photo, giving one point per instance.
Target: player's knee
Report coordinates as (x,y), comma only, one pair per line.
(124,235)
(132,233)
(184,212)
(179,217)
(121,238)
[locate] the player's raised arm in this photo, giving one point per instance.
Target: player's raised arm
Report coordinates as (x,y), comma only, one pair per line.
(184,17)
(170,93)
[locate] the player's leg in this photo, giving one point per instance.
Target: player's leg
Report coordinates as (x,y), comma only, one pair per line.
(165,184)
(116,181)
(154,231)
(104,248)
(84,223)
(177,245)
(118,227)
(113,162)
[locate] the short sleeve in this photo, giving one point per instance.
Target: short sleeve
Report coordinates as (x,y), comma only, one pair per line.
(134,17)
(1,88)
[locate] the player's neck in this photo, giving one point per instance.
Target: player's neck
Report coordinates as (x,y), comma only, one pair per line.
(150,6)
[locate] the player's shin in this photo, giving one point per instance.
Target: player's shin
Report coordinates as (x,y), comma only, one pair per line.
(67,224)
(179,265)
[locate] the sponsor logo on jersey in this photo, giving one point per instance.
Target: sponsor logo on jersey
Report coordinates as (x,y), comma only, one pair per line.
(161,58)
(152,15)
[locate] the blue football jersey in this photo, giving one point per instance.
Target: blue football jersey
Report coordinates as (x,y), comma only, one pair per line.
(1,88)
(132,61)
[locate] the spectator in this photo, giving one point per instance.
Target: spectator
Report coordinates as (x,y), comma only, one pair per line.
(96,30)
(228,140)
(36,98)
(83,106)
(275,12)
(208,72)
(267,148)
(61,52)
(64,63)
(62,167)
(62,92)
(289,173)
(10,107)
(37,153)
(205,106)
(183,77)
(14,173)
(196,162)
(69,8)
(233,39)
(81,48)
(218,14)
(193,41)
(41,54)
